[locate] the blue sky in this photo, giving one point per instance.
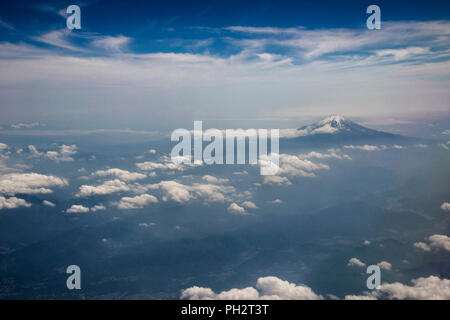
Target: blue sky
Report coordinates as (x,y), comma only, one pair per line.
(156,64)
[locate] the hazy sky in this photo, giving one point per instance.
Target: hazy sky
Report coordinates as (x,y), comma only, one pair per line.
(154,65)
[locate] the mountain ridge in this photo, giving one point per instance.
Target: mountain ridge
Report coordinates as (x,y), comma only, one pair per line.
(336,129)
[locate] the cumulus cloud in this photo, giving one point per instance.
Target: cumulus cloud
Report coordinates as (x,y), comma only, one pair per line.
(266,288)
(120,174)
(385,265)
(355,262)
(445,206)
(276,180)
(436,241)
(64,154)
(4,151)
(98,207)
(422,245)
(439,242)
(165,163)
(77,209)
(182,193)
(292,166)
(34,152)
(152,151)
(234,208)
(29,183)
(3,146)
(108,187)
(431,288)
(12,203)
(174,191)
(212,179)
(249,205)
(137,202)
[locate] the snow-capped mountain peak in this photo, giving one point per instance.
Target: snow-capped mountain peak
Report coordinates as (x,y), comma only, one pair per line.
(333,125)
(334,120)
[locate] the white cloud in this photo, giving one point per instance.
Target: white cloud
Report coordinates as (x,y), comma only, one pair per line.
(48,203)
(385,265)
(266,288)
(174,191)
(249,205)
(446,131)
(59,38)
(277,201)
(431,288)
(172,71)
(355,262)
(4,151)
(98,207)
(64,155)
(108,187)
(29,183)
(25,125)
(365,147)
(436,241)
(34,152)
(276,180)
(113,44)
(166,163)
(212,179)
(312,44)
(422,245)
(12,203)
(360,297)
(439,241)
(120,174)
(318,155)
(181,193)
(152,151)
(147,225)
(404,53)
(445,206)
(77,208)
(293,166)
(234,208)
(137,202)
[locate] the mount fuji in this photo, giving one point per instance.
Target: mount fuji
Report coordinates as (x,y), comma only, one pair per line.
(335,129)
